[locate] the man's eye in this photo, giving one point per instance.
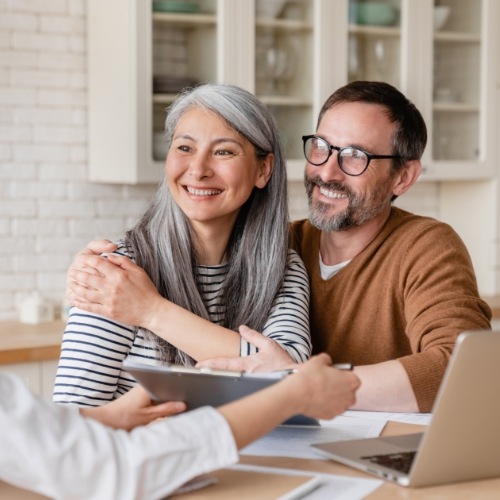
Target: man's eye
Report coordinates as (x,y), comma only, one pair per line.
(352,153)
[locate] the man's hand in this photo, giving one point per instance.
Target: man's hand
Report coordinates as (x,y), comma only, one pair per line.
(132,409)
(112,286)
(271,356)
(95,247)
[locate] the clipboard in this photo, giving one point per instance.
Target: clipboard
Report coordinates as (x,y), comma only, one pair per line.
(199,387)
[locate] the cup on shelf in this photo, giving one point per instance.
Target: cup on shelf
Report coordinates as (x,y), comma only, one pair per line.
(441,15)
(269,8)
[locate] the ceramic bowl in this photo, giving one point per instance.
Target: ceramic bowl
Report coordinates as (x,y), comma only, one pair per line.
(376,13)
(269,8)
(441,15)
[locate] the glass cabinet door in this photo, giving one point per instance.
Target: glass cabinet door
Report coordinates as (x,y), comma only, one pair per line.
(184,54)
(374,46)
(284,67)
(456,80)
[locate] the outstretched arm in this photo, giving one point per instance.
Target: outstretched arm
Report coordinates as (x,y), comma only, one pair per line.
(317,390)
(49,448)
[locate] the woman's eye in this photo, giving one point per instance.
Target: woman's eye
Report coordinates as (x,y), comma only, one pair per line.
(223,152)
(184,149)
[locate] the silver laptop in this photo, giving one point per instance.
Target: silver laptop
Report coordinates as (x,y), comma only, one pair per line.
(462,441)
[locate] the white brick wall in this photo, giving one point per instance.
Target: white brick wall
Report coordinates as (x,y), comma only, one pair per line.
(48,210)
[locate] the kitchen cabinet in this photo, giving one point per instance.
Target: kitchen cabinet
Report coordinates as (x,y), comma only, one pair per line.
(446,70)
(38,376)
(32,353)
(139,58)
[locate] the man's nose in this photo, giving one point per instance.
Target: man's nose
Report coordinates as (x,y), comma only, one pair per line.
(331,171)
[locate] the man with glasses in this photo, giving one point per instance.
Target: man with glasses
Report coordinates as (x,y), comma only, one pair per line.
(390,291)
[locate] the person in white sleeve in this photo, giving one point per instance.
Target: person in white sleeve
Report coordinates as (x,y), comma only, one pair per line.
(65,452)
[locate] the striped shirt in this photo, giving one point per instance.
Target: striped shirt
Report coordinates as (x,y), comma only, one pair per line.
(90,370)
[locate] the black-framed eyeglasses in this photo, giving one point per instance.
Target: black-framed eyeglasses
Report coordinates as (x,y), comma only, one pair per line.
(352,161)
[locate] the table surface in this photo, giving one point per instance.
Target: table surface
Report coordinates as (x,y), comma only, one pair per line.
(243,488)
(23,343)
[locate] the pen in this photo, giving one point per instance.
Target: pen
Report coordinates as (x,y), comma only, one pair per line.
(338,366)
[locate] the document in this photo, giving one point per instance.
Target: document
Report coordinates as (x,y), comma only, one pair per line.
(294,441)
(409,418)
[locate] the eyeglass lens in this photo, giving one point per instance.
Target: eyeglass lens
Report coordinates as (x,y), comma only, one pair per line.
(351,160)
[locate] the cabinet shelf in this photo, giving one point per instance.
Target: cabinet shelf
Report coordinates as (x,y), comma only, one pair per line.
(385,31)
(455,107)
(185,20)
(450,36)
(164,98)
(283,24)
(284,101)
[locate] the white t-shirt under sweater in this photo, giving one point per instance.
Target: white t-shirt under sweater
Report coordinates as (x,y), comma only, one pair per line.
(90,371)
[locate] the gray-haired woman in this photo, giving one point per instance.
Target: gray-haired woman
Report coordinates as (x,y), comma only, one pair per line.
(209,254)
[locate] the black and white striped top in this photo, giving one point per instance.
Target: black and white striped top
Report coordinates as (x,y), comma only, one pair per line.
(93,349)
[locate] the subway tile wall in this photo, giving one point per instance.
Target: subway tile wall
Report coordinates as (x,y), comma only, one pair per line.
(48,209)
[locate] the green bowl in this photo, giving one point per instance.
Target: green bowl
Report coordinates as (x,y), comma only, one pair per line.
(376,13)
(175,6)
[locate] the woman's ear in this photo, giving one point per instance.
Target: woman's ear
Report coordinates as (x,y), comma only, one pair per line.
(266,167)
(406,177)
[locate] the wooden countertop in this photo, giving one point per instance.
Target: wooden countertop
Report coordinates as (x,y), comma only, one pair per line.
(22,343)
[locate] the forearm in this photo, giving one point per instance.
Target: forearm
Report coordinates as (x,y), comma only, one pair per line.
(385,387)
(254,416)
(196,336)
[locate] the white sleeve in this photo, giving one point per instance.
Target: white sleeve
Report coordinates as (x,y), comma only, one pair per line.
(53,450)
(288,322)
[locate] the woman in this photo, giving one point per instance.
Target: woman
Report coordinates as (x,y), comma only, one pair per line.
(210,255)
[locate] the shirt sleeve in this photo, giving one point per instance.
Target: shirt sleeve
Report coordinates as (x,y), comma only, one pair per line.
(288,322)
(53,450)
(93,348)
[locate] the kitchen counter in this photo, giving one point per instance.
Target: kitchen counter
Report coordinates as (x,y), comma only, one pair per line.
(22,343)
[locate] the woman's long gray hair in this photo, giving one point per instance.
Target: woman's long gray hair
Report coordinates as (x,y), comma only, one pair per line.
(162,240)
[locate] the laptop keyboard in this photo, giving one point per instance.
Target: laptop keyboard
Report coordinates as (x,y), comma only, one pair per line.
(398,461)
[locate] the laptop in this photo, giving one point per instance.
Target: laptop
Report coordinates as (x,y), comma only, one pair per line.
(462,441)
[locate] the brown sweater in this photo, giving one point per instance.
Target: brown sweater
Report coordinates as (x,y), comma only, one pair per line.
(406,296)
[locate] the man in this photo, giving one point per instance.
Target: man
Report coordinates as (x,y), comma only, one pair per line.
(390,291)
(59,452)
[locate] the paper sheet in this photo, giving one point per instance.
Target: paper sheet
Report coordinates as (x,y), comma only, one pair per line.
(295,441)
(409,418)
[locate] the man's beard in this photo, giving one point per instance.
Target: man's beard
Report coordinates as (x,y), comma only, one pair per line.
(360,208)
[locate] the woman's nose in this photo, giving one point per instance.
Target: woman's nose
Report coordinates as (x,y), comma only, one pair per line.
(200,166)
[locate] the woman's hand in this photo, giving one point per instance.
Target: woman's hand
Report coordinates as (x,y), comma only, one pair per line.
(132,409)
(112,286)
